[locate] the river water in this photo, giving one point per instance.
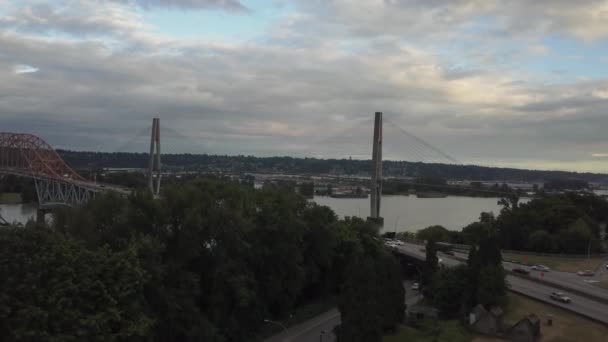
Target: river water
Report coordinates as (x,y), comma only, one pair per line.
(410,213)
(19,213)
(401,213)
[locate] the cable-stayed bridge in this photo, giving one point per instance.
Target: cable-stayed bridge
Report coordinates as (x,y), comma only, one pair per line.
(57,184)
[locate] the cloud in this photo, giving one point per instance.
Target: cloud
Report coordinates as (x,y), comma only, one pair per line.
(227,5)
(584,19)
(538,50)
(76,17)
(24,69)
(453,73)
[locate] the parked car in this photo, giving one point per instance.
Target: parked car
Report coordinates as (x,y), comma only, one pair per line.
(521,270)
(607,266)
(560,297)
(541,268)
(416,286)
(586,273)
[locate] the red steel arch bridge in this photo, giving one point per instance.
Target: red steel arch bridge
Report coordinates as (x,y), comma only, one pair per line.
(27,155)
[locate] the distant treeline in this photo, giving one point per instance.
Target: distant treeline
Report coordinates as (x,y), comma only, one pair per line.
(241,164)
(552,223)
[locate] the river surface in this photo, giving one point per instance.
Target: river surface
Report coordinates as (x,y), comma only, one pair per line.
(401,213)
(19,213)
(410,213)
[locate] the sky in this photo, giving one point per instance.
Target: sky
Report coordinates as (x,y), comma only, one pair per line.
(516,83)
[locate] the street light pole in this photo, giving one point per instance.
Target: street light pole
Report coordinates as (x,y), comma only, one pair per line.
(280,325)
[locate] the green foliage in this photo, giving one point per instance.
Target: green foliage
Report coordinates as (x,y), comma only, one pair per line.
(491,289)
(449,285)
(307,189)
(372,296)
(208,261)
(53,289)
(540,241)
(431,264)
(435,233)
(570,221)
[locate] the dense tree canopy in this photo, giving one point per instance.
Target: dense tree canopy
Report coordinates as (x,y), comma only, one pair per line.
(209,260)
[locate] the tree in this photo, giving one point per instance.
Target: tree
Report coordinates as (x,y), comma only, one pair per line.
(93,295)
(435,233)
(449,287)
(473,270)
(358,304)
(431,264)
(392,293)
(492,287)
(541,241)
(307,189)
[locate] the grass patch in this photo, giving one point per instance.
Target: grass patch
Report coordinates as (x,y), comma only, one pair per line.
(10,198)
(448,331)
(563,264)
(603,284)
(567,327)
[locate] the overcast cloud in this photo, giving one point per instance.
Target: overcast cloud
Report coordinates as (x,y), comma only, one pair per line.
(517,83)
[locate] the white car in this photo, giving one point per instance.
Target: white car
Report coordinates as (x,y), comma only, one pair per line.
(541,268)
(416,286)
(560,297)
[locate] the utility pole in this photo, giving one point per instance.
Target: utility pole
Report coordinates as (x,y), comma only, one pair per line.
(154,158)
(376,185)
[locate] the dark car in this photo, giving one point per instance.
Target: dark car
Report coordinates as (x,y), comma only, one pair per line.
(521,270)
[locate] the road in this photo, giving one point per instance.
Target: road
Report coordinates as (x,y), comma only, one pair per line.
(579,304)
(570,280)
(311,330)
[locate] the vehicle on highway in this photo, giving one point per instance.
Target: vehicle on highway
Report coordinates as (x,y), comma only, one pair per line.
(541,268)
(560,297)
(521,270)
(586,273)
(416,286)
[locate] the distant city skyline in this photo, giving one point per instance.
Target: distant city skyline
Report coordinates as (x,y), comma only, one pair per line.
(511,84)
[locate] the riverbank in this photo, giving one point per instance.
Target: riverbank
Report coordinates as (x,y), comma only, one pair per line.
(10,198)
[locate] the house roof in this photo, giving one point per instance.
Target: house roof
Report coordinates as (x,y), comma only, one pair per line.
(533,318)
(497,311)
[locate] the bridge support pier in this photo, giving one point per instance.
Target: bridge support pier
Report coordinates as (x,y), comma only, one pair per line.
(376,185)
(41,216)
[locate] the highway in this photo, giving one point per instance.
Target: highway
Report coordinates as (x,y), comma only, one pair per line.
(581,305)
(312,330)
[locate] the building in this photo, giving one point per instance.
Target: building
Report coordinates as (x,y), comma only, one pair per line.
(526,330)
(488,322)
